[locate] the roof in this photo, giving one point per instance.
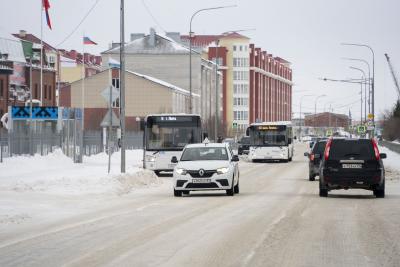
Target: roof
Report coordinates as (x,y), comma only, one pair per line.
(271,123)
(32,38)
(205,40)
(172,114)
(13,48)
(163,83)
(163,45)
(343,116)
(207,145)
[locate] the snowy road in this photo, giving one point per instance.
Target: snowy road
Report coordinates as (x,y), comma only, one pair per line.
(278,219)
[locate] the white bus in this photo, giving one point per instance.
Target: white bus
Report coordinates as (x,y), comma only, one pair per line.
(271,141)
(165,136)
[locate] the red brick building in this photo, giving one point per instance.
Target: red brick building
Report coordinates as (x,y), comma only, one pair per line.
(327,119)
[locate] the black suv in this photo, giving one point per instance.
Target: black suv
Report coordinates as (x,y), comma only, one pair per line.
(314,162)
(352,163)
(244,145)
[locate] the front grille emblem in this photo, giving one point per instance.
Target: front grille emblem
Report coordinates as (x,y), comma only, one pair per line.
(201,172)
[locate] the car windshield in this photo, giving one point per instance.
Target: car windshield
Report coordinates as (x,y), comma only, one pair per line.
(204,153)
(357,149)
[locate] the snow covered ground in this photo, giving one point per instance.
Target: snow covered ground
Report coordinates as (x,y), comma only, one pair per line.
(392,163)
(43,189)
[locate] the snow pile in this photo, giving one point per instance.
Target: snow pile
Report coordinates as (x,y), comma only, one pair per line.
(391,163)
(56,173)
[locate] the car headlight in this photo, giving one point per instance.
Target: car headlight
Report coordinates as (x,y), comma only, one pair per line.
(150,158)
(180,171)
(222,170)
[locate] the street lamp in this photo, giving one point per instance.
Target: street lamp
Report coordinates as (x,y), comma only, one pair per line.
(373,75)
(365,92)
(369,78)
(190,48)
(315,107)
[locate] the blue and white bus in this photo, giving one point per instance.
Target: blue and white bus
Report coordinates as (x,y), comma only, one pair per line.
(166,135)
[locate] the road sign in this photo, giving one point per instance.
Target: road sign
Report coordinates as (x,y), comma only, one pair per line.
(329,132)
(106,120)
(234,125)
(38,113)
(370,116)
(106,94)
(361,129)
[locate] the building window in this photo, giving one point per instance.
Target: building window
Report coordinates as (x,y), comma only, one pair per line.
(36,91)
(1,88)
(45,92)
(50,92)
(115,82)
(241,48)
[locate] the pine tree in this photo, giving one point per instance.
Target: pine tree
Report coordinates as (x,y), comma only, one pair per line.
(396,110)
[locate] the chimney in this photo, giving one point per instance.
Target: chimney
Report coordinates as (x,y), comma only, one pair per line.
(114,45)
(152,37)
(22,33)
(176,36)
(135,36)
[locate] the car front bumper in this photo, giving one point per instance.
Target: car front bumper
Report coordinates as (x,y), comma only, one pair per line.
(215,182)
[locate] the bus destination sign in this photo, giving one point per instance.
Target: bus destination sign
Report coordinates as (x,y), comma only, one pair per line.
(270,128)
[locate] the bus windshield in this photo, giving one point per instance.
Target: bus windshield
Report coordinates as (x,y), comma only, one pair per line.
(171,135)
(268,137)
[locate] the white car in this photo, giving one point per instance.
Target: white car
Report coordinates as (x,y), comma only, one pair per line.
(209,166)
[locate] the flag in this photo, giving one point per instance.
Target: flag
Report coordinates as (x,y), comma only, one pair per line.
(46,5)
(87,41)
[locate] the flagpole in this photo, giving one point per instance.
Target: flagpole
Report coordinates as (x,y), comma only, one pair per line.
(41,53)
(83,96)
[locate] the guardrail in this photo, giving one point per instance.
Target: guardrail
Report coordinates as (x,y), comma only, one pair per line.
(392,146)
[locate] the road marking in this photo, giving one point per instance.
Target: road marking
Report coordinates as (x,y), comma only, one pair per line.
(146,206)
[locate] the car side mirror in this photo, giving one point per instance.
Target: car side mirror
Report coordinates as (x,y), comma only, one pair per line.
(383,155)
(306,154)
(235,158)
(174,159)
(317,156)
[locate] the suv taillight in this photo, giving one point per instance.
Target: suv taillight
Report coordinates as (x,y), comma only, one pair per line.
(376,150)
(327,149)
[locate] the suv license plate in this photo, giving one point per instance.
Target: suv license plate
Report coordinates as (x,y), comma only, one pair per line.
(351,166)
(201,181)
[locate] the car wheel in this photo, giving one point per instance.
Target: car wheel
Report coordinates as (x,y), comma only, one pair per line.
(323,192)
(311,177)
(231,191)
(291,158)
(236,188)
(177,193)
(186,192)
(380,191)
(157,173)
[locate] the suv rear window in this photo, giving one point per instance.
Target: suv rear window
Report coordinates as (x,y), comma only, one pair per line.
(319,147)
(358,149)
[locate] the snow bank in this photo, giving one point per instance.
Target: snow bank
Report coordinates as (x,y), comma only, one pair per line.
(391,163)
(56,173)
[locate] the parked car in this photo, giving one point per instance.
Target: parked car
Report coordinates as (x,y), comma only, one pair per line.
(314,162)
(244,145)
(232,143)
(352,163)
(209,166)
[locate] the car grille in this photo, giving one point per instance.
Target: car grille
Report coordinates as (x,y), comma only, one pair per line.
(206,185)
(207,174)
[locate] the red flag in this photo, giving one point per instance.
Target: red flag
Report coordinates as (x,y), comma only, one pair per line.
(46,6)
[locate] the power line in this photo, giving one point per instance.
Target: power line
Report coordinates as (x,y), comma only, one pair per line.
(79,24)
(151,15)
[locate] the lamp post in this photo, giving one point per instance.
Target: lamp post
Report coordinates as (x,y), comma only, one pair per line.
(365,93)
(369,79)
(315,107)
(301,99)
(190,48)
(122,84)
(373,76)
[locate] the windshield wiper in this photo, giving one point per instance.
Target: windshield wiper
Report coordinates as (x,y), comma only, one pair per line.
(156,152)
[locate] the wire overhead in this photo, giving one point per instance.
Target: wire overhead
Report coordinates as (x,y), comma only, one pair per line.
(152,16)
(79,24)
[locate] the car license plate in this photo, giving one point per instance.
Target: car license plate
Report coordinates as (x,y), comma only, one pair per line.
(201,181)
(351,166)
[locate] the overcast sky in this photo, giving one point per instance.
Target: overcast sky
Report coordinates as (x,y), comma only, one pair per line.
(307,33)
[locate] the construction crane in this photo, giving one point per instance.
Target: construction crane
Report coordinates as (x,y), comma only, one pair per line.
(396,81)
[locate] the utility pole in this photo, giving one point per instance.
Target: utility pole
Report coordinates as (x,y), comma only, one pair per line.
(122,86)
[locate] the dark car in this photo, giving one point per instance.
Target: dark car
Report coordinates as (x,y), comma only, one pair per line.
(244,145)
(314,162)
(352,163)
